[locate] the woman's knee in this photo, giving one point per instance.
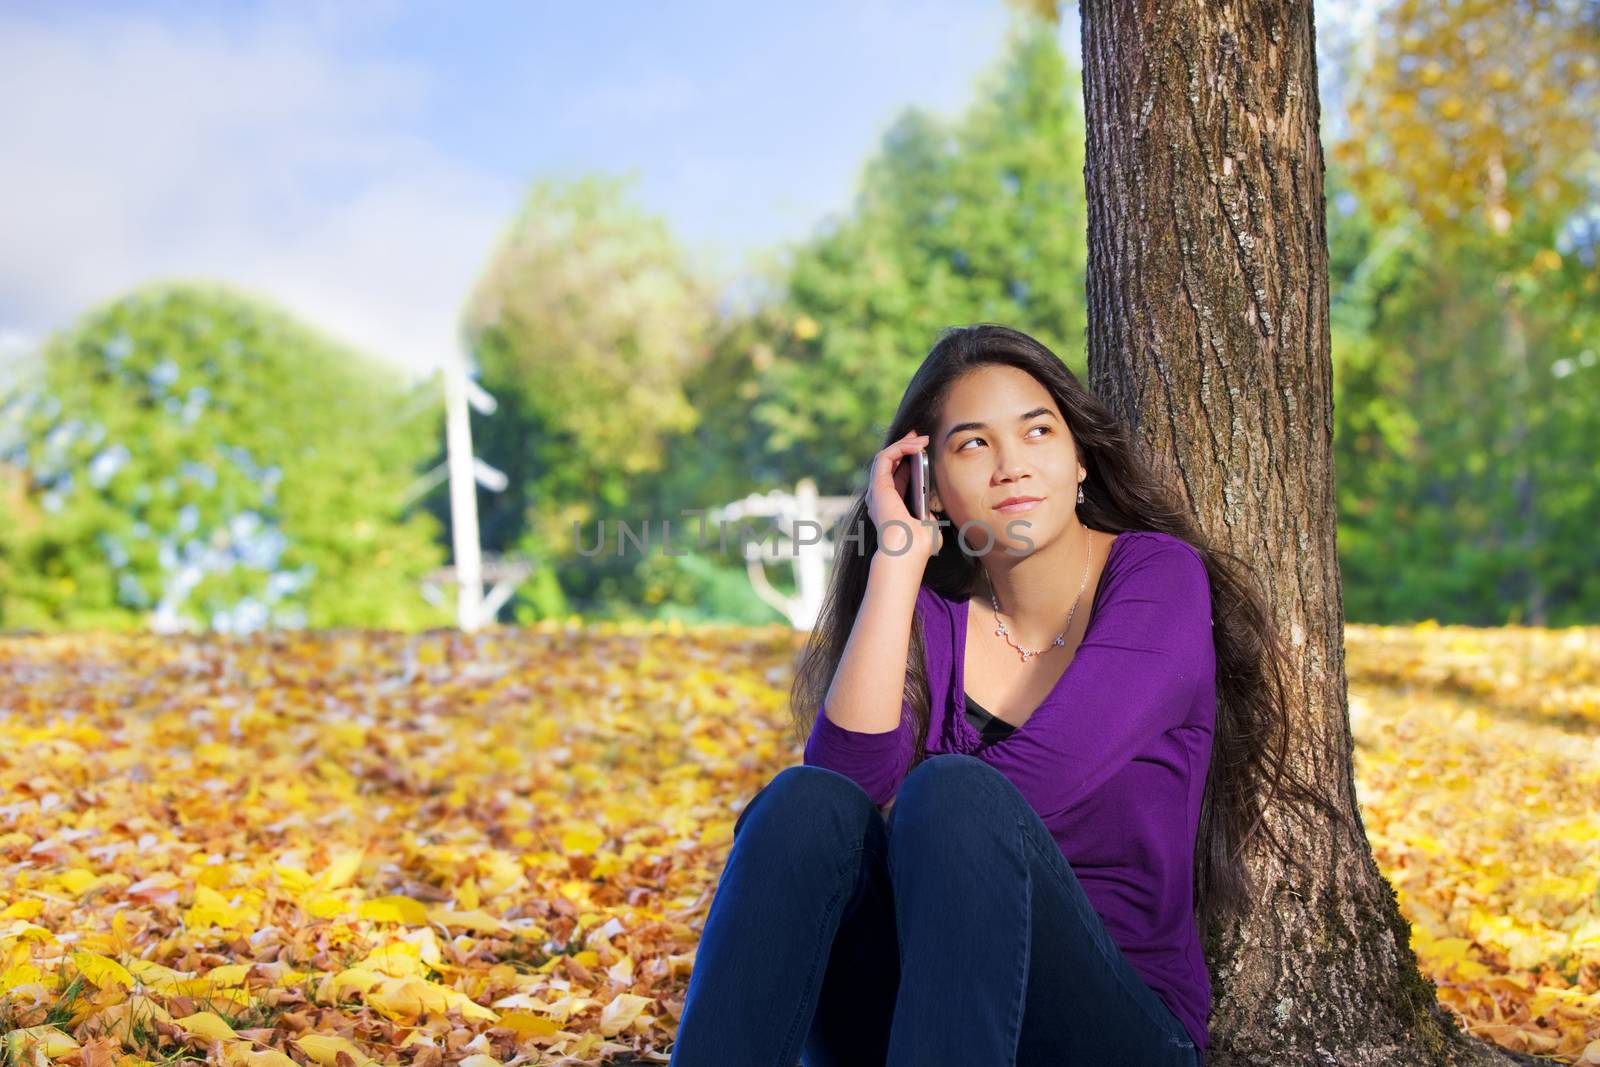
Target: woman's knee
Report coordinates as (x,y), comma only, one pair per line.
(943,790)
(803,802)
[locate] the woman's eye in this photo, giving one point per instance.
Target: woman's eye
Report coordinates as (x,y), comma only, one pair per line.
(962,447)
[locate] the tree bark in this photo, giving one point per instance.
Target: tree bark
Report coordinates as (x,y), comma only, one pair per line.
(1208,331)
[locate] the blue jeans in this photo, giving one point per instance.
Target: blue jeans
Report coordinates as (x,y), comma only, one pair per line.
(954,933)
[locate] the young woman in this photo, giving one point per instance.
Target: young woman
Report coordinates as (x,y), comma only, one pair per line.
(1038,732)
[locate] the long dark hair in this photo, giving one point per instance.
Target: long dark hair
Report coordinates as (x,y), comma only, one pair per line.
(1121,492)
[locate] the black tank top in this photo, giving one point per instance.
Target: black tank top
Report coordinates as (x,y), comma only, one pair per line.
(989,728)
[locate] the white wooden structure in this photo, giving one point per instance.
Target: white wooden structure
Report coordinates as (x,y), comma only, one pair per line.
(807,550)
(505,574)
(466,472)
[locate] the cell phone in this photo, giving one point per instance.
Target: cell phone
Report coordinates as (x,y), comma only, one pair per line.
(918,502)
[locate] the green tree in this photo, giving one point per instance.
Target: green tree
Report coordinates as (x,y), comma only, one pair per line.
(723,458)
(186,456)
(1461,318)
(1376,427)
(953,222)
(979,219)
(584,324)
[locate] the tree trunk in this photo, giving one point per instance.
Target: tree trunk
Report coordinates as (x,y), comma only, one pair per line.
(1208,331)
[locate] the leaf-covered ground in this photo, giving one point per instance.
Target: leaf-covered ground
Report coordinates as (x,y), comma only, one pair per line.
(347,847)
(1478,774)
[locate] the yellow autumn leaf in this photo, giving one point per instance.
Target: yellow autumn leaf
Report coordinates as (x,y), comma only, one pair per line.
(20,909)
(320,905)
(325,1048)
(397,960)
(479,921)
(207,1024)
(140,1006)
(156,976)
(101,970)
(27,931)
(618,1015)
(227,975)
(405,1000)
(236,999)
(1586,935)
(394,909)
(498,874)
(295,881)
(341,870)
(241,1054)
(77,881)
(347,982)
(210,908)
(20,973)
(411,997)
(20,1044)
(582,838)
(524,1024)
(564,1008)
(346,732)
(216,876)
(1450,948)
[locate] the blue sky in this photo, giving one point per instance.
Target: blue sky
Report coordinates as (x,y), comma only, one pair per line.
(356,162)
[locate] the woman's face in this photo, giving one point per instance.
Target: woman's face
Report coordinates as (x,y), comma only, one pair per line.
(1001,435)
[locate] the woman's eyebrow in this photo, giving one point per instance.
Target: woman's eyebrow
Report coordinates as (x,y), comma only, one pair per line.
(1024,417)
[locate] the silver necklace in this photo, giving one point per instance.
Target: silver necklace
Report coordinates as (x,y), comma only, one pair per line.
(1061,638)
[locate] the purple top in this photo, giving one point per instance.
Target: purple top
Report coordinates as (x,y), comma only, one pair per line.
(1114,760)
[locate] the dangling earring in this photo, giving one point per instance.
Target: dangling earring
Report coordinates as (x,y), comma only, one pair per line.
(1080,492)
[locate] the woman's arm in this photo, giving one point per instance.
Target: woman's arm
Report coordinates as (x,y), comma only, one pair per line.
(1132,679)
(864,728)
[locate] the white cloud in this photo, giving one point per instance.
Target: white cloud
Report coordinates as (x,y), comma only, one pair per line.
(266,159)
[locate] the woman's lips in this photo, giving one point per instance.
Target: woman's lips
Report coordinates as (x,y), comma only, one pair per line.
(1020,506)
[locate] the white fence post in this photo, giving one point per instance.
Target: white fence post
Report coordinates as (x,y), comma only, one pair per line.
(466,473)
(808,551)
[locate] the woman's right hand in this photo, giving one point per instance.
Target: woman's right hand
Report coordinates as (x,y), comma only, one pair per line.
(886,494)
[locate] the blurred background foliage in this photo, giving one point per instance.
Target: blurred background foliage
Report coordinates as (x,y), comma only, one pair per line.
(189,457)
(1464,215)
(189,454)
